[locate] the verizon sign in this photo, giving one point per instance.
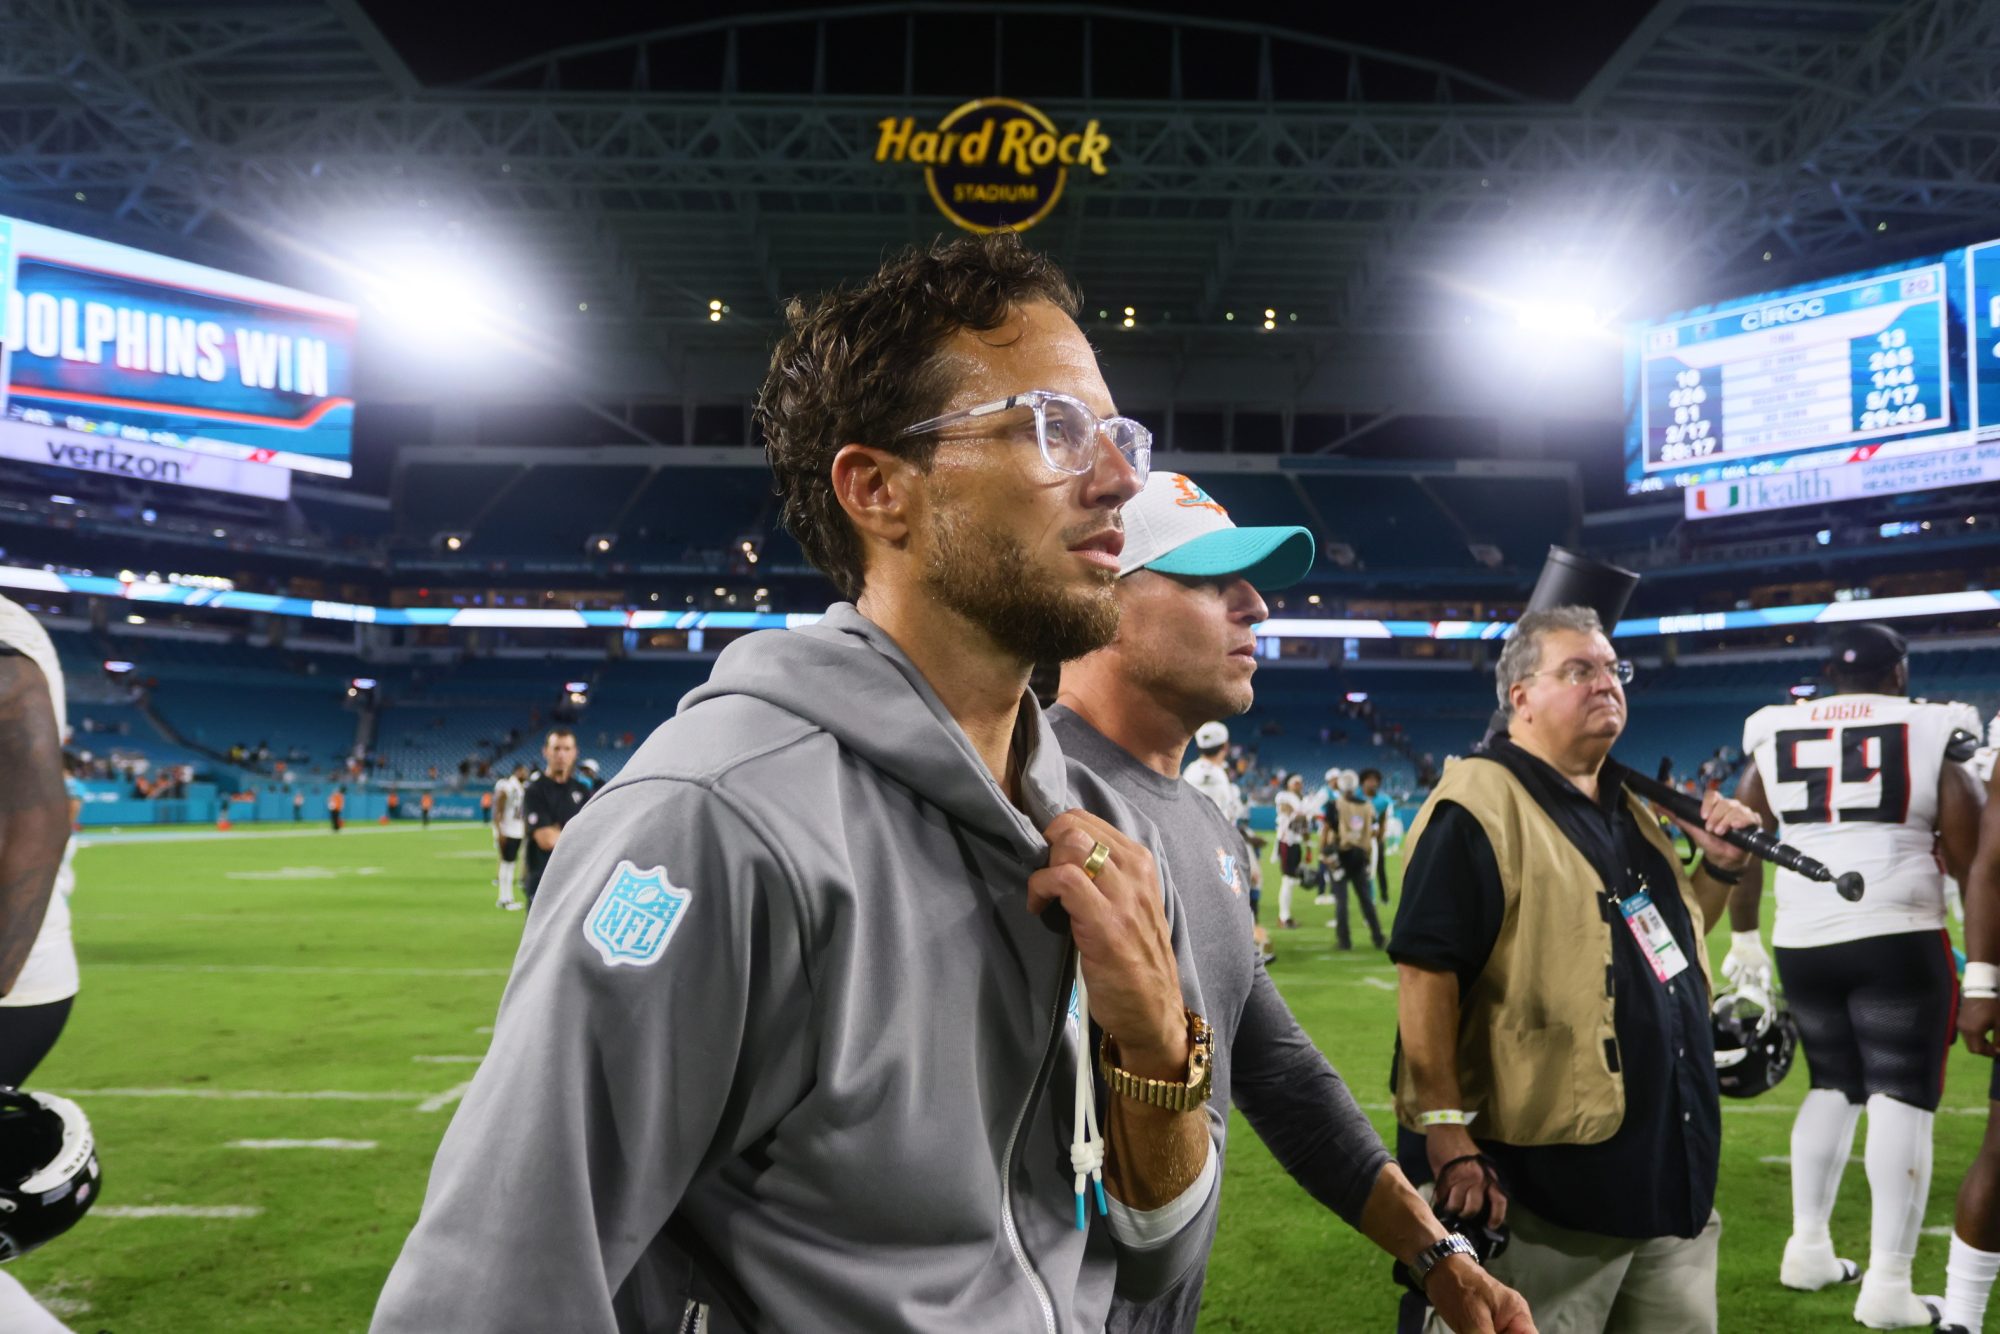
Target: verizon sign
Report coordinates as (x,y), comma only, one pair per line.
(140,461)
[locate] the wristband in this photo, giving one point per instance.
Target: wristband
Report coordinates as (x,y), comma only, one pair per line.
(1982,981)
(1449,1116)
(1718,875)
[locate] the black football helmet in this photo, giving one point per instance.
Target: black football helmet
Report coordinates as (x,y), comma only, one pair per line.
(1756,1040)
(49,1175)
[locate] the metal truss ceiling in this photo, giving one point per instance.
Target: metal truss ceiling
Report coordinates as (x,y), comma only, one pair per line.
(1734,129)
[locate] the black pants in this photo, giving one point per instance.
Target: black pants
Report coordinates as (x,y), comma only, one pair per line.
(427,819)
(26,1034)
(334,817)
(1354,861)
(1875,1015)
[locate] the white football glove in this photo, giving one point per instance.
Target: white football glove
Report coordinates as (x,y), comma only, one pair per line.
(1746,961)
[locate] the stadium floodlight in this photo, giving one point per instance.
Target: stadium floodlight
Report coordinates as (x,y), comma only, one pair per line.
(1357,697)
(599,543)
(116,667)
(449,541)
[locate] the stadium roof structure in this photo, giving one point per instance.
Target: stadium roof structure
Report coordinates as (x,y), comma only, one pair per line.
(1364,192)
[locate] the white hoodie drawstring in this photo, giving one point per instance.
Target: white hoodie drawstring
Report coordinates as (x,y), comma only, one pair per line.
(1086,1147)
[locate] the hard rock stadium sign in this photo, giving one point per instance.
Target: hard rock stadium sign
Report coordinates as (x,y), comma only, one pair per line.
(993,164)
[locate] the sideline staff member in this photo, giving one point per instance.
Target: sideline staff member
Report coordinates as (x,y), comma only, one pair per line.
(1189,594)
(1556,1062)
(553,798)
(785,1016)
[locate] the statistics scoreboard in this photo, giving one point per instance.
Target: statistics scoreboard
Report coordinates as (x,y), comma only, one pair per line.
(1863,360)
(1868,384)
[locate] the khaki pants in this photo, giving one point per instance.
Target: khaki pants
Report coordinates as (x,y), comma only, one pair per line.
(1582,1283)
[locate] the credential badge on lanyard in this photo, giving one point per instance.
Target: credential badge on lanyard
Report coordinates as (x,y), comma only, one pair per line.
(1656,942)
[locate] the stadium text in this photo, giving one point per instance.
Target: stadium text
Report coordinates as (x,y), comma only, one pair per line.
(1023,145)
(141,340)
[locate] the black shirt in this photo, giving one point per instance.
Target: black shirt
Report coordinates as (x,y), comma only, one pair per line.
(1656,1175)
(548,804)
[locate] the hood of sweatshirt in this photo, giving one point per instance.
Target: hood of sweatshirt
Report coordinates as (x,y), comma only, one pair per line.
(846,676)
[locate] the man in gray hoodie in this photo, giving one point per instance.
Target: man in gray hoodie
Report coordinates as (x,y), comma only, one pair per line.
(1190,599)
(785,1032)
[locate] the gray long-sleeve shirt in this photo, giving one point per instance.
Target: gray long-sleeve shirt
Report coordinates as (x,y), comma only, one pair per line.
(1288,1092)
(783,1035)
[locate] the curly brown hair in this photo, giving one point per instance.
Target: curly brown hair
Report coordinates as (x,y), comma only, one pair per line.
(861,363)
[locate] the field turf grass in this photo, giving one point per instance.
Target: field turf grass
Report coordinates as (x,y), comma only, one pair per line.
(346,981)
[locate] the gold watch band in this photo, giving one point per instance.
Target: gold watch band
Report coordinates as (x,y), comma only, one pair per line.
(1172,1095)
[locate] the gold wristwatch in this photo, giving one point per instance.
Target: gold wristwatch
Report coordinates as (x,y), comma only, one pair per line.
(1170,1094)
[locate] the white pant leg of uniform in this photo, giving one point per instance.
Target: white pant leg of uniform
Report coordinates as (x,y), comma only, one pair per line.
(22,1314)
(1822,1139)
(1899,1178)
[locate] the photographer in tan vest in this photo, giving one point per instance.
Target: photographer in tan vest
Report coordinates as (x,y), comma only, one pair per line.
(1555,1070)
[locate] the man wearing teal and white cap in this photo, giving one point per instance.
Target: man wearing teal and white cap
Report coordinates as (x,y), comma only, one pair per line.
(1189,596)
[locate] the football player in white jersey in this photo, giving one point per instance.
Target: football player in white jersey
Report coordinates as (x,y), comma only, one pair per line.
(1864,779)
(1209,771)
(1209,774)
(38,977)
(1975,1233)
(1295,817)
(509,828)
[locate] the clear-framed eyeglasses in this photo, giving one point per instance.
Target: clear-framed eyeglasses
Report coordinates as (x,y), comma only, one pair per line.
(1065,428)
(1579,672)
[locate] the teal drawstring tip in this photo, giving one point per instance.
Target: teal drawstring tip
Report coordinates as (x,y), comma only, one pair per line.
(1081,1225)
(1102,1207)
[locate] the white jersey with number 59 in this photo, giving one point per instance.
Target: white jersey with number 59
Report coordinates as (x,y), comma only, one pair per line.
(1854,782)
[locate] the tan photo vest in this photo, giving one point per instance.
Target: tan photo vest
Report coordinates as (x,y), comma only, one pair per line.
(1537,1038)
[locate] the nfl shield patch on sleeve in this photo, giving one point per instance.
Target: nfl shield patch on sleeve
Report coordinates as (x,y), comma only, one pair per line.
(635,915)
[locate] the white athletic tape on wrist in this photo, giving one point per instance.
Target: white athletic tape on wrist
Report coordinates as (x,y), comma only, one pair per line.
(1450,1116)
(1982,978)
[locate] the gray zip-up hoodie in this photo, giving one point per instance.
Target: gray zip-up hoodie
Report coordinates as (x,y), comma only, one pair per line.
(783,1034)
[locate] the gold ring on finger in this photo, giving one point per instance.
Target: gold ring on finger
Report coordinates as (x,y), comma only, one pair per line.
(1100,853)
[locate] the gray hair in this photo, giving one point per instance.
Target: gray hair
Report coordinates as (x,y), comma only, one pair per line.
(1523,653)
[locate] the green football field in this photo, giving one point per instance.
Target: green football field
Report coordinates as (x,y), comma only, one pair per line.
(274,1027)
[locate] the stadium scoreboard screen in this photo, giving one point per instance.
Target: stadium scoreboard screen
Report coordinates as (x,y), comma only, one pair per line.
(1869,384)
(120,361)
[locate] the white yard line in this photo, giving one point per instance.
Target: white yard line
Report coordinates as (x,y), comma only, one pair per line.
(447,1060)
(484,1028)
(268,918)
(303,970)
(1743,1109)
(114,835)
(445,1099)
(302,1144)
(249,1095)
(175,1211)
(1380,983)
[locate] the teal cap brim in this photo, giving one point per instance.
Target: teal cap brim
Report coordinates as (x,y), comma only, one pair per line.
(1269,558)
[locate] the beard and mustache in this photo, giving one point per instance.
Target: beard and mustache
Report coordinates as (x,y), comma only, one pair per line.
(1028,611)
